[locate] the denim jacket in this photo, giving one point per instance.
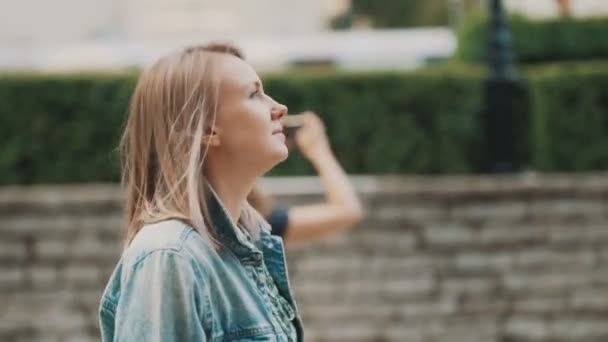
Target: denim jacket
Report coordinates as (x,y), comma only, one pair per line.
(172,285)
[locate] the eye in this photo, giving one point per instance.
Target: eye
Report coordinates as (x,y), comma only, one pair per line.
(254,94)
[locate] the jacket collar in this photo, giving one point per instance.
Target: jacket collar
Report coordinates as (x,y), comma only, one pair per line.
(230,234)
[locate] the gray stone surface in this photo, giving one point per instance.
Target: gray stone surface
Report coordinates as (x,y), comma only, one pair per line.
(462,258)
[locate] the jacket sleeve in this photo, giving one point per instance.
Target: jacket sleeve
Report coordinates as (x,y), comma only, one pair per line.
(162,300)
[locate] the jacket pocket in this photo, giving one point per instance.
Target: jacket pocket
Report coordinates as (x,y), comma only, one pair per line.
(257,333)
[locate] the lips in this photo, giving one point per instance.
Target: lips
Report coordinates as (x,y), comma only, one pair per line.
(279,133)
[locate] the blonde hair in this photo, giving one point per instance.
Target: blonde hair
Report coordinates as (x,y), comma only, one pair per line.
(163,150)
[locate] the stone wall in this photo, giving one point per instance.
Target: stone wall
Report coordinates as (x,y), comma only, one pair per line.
(508,258)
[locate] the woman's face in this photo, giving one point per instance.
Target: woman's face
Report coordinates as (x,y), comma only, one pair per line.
(248,126)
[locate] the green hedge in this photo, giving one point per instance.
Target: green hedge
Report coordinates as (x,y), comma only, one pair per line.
(56,129)
(423,122)
(536,41)
(570,105)
(65,128)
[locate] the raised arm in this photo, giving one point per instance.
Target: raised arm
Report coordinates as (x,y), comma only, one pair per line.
(341,208)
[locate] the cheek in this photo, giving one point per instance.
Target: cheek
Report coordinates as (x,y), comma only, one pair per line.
(249,125)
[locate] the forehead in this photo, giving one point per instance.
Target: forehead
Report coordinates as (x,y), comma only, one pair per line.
(235,73)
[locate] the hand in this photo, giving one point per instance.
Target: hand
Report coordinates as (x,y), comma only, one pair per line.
(311,138)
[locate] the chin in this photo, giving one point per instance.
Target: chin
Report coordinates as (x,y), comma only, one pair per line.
(282,154)
(270,156)
(278,156)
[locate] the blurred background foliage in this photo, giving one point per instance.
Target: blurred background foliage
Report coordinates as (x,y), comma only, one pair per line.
(424,122)
(539,41)
(404,13)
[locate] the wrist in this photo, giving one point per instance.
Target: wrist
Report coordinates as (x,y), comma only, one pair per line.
(321,156)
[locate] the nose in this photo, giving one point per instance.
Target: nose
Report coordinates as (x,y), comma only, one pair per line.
(278,111)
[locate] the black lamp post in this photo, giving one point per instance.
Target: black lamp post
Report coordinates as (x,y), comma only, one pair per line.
(499,92)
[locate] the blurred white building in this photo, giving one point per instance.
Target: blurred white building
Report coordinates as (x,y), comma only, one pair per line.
(33,21)
(110,34)
(105,34)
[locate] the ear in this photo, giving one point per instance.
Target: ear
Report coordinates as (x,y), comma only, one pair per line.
(212,138)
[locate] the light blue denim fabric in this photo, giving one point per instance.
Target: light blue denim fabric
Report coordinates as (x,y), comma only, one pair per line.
(172,285)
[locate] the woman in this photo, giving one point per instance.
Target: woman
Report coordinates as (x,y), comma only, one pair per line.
(342,208)
(200,263)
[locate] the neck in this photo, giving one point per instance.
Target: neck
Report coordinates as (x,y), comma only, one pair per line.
(232,189)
